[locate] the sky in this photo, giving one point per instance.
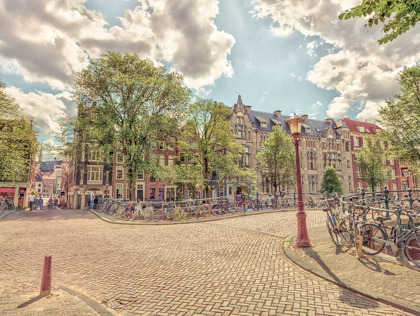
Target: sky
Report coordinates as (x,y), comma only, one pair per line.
(288,55)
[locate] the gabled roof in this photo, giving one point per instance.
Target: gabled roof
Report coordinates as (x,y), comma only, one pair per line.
(352,124)
(49,165)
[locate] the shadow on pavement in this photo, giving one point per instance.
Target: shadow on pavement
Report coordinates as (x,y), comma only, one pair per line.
(343,297)
(32,300)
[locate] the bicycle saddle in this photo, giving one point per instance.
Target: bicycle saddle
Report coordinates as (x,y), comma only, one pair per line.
(382,218)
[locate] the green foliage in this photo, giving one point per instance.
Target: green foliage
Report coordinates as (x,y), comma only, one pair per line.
(277,159)
(400,119)
(17,140)
(127,105)
(372,161)
(331,181)
(208,141)
(398,16)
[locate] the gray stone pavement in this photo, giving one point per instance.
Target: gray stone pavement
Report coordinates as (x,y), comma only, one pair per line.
(380,277)
(227,267)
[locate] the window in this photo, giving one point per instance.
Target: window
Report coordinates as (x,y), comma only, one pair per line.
(348,163)
(120,158)
(152,193)
(393,173)
(391,162)
(246,161)
(359,172)
(94,173)
(263,124)
(239,120)
(128,193)
(118,190)
(249,135)
(161,160)
(120,173)
(356,141)
(170,160)
(94,155)
(347,146)
(152,179)
(140,175)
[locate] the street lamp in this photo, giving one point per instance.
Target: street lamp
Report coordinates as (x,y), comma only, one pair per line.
(302,238)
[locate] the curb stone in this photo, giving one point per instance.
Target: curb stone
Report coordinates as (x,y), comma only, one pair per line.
(6,213)
(100,309)
(241,214)
(391,301)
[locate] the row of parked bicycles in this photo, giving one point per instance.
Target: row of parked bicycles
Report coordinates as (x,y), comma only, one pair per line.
(376,225)
(183,210)
(6,205)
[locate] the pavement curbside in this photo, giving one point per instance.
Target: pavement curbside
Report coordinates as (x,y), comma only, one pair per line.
(112,220)
(3,215)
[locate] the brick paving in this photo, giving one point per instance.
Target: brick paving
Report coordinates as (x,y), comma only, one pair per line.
(227,267)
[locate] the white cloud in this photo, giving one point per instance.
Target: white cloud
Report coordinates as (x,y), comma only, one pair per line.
(311,46)
(52,40)
(338,107)
(45,108)
(360,70)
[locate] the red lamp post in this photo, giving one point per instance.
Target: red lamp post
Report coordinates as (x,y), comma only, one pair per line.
(302,238)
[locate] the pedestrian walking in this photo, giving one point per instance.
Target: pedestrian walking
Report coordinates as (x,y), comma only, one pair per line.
(55,202)
(92,199)
(31,200)
(50,203)
(40,202)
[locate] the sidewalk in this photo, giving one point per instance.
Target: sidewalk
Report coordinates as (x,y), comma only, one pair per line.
(19,296)
(378,277)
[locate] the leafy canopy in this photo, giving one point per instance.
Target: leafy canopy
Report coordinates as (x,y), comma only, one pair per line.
(400,119)
(17,140)
(398,16)
(207,138)
(331,181)
(128,105)
(276,160)
(372,162)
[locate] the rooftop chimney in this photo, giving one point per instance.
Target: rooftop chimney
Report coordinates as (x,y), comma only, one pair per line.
(248,109)
(329,120)
(277,113)
(305,117)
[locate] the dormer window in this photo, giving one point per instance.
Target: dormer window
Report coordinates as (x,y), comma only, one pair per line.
(263,124)
(239,120)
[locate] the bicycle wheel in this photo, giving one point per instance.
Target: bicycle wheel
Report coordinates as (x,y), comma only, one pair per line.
(346,230)
(232,207)
(157,214)
(148,214)
(216,209)
(412,248)
(372,237)
(128,215)
(333,233)
(204,210)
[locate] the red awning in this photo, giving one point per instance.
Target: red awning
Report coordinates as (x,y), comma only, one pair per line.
(7,190)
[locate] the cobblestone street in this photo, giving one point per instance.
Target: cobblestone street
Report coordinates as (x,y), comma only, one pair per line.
(227,267)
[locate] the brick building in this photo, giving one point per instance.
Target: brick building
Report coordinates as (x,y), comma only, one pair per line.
(358,130)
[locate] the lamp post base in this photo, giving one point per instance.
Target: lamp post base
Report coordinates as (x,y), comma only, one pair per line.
(302,238)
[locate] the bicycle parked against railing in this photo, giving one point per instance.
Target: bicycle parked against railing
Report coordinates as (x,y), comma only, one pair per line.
(371,238)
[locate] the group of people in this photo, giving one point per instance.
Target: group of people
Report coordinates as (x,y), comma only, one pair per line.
(36,202)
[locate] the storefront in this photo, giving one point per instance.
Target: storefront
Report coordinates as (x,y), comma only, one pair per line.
(7,193)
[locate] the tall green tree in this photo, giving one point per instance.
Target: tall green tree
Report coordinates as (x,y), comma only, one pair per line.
(398,16)
(331,181)
(371,159)
(128,105)
(400,119)
(17,140)
(208,141)
(276,160)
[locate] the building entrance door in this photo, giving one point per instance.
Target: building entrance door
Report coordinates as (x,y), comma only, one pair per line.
(140,192)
